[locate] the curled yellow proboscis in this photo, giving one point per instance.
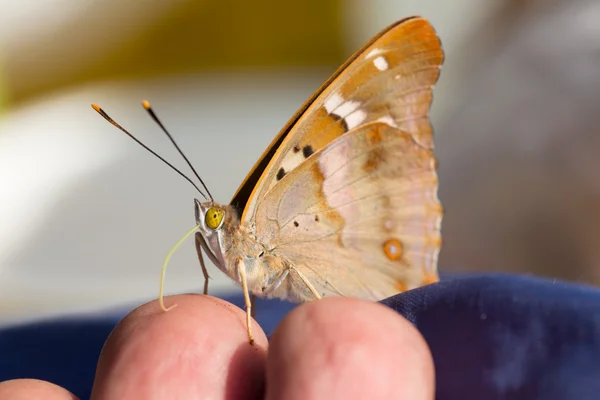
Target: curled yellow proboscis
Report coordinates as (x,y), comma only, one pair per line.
(163,273)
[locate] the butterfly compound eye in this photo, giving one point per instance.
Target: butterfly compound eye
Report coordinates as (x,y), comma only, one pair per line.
(214,217)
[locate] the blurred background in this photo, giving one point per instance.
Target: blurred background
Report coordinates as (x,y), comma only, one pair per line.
(86,216)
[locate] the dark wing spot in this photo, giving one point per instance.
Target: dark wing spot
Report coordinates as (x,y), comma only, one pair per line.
(316,218)
(296,149)
(307,151)
(280,173)
(342,121)
(296,224)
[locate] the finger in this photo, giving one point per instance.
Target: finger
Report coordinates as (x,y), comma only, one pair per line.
(199,349)
(341,348)
(26,389)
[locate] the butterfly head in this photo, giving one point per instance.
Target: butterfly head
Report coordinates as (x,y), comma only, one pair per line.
(212,220)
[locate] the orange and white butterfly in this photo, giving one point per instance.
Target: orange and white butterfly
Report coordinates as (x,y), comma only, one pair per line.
(344,200)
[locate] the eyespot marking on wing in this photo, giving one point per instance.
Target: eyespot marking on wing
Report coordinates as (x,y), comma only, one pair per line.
(393,249)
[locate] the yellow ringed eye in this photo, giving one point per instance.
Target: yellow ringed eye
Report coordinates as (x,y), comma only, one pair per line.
(214,217)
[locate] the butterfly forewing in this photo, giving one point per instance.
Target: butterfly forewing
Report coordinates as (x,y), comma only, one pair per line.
(389,80)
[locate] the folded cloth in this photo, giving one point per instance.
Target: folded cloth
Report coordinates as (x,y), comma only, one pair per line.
(491,336)
(508,337)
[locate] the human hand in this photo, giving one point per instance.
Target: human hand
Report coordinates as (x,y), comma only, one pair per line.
(331,348)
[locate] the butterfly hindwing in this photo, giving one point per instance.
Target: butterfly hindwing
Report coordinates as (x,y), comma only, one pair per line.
(360,218)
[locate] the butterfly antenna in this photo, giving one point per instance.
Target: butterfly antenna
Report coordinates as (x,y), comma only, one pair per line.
(109,119)
(146,105)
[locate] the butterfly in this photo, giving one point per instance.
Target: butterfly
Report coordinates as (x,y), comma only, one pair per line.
(344,200)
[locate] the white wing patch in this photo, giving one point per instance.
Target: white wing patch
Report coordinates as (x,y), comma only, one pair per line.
(349,111)
(345,109)
(333,102)
(292,160)
(373,53)
(381,63)
(355,118)
(387,119)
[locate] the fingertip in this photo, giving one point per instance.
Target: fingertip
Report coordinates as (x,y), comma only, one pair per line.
(348,348)
(198,348)
(24,389)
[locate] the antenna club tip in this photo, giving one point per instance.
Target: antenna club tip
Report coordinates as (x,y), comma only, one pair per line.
(96,107)
(146,104)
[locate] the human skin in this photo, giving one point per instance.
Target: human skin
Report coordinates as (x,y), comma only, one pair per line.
(336,348)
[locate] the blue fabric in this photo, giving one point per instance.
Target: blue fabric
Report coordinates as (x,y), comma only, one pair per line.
(491,336)
(509,337)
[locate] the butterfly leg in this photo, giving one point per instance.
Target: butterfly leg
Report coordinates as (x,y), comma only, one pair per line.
(242,273)
(307,283)
(277,283)
(201,259)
